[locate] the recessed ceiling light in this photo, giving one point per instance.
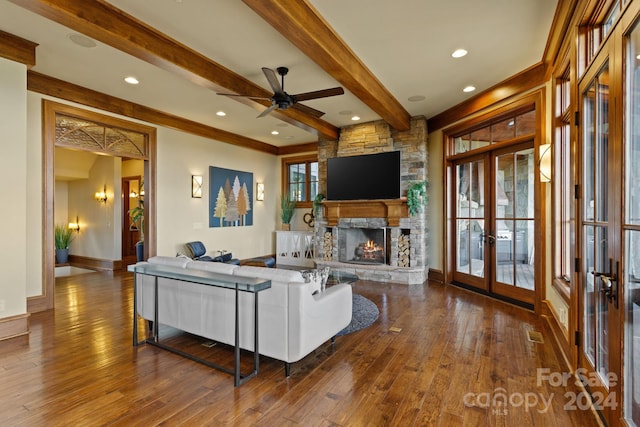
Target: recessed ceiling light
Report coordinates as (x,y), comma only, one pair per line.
(131,80)
(459,53)
(81,40)
(355,118)
(416,98)
(221,113)
(275,132)
(469,89)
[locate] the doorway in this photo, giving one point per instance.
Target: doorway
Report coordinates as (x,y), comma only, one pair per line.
(132,194)
(100,134)
(494,223)
(493,204)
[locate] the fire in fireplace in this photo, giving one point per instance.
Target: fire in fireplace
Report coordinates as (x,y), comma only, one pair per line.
(362,245)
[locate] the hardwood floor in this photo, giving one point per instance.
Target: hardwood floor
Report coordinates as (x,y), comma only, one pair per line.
(437,355)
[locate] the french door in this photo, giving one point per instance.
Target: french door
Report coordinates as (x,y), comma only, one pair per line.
(600,269)
(494,222)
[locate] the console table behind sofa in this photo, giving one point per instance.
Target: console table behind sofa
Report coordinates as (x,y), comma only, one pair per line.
(196,282)
(294,317)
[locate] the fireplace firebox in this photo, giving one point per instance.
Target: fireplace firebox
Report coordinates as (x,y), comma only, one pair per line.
(362,245)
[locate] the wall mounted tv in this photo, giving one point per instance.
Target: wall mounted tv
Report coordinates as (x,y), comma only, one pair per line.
(364,177)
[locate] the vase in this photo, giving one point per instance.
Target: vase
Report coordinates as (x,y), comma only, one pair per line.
(286,227)
(140,251)
(62,256)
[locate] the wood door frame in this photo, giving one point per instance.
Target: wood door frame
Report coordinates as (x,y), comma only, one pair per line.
(537,98)
(45,301)
(615,316)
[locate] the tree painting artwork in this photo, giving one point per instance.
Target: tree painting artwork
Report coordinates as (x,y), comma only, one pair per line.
(230,196)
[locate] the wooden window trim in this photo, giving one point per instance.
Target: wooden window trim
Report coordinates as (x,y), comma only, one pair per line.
(286,161)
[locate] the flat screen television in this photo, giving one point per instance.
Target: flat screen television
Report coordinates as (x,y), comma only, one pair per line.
(364,177)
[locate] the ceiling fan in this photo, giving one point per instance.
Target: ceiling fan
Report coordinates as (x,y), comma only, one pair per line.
(282,100)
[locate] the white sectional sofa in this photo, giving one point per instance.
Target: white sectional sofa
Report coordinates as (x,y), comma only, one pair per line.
(294,317)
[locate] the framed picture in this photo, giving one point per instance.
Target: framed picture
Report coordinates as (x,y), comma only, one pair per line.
(230,197)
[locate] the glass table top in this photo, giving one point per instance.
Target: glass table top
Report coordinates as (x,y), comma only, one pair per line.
(336,276)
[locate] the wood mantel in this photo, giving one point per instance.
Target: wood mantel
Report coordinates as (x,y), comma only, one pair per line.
(390,209)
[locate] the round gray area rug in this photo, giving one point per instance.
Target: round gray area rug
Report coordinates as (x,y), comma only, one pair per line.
(364,313)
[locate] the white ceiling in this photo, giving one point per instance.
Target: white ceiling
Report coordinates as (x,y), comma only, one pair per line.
(407,44)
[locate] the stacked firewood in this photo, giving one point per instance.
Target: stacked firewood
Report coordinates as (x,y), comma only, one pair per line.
(404,246)
(327,245)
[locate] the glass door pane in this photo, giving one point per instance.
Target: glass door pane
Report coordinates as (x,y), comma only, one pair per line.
(632,329)
(631,229)
(470,218)
(595,183)
(514,220)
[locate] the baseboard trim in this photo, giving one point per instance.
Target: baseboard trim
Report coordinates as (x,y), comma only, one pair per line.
(94,263)
(558,333)
(435,276)
(14,326)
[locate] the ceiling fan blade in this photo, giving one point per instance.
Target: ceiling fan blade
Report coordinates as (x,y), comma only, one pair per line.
(243,96)
(267,111)
(318,94)
(273,80)
(308,110)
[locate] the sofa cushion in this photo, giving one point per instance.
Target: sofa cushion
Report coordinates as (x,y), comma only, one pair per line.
(170,261)
(215,267)
(274,274)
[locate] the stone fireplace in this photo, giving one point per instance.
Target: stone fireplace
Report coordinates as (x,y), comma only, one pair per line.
(375,239)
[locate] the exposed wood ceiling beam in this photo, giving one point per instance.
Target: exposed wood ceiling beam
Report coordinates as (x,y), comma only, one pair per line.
(17,49)
(299,22)
(110,25)
(46,85)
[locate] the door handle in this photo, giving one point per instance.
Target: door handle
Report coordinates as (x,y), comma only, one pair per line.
(610,282)
(491,239)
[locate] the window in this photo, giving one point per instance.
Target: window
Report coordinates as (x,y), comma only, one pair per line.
(563,197)
(300,179)
(595,28)
(505,129)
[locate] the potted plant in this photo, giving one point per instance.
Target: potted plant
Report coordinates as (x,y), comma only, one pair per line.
(287,206)
(317,203)
(137,217)
(417,197)
(63,236)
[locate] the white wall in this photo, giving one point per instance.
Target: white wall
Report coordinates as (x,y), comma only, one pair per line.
(182,218)
(13,187)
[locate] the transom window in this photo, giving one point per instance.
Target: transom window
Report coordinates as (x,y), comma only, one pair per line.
(506,129)
(595,28)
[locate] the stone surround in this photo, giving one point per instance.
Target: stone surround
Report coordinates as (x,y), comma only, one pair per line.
(370,138)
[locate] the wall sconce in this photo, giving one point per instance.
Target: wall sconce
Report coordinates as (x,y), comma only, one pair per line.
(101,196)
(75,226)
(133,195)
(196,186)
(260,191)
(545,163)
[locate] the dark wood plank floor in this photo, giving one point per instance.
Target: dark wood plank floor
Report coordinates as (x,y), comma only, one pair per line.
(437,356)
